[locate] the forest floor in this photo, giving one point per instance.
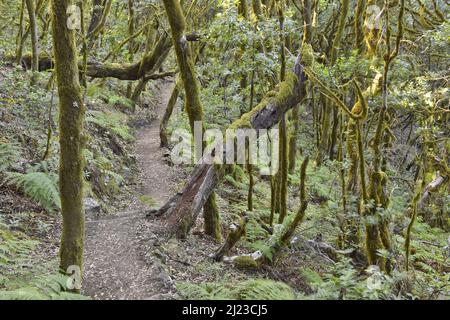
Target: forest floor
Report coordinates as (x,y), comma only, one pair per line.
(115,263)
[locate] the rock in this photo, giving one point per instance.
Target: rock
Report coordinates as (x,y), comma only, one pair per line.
(92,208)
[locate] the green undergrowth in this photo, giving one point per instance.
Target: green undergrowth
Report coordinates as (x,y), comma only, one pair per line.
(254,289)
(112,121)
(22,276)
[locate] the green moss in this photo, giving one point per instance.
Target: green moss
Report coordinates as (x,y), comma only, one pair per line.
(307,55)
(285,89)
(147,200)
(244,121)
(212,218)
(246,262)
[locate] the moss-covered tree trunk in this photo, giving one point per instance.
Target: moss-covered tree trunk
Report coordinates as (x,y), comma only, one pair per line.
(34,35)
(359,24)
(371,32)
(212,218)
(283,178)
(100,23)
(243,12)
(377,232)
(257,8)
(97,10)
(20,33)
(131,43)
(193,104)
(71,119)
(168,113)
(307,37)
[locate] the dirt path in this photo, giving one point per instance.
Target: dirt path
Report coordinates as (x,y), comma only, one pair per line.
(116,264)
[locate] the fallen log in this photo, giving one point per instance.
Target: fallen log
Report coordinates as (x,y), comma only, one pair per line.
(146,67)
(183,211)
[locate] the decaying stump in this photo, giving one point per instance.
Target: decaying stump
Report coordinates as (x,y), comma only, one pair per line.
(237,231)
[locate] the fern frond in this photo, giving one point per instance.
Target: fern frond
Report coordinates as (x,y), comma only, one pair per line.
(39,186)
(9,155)
(262,289)
(255,289)
(26,293)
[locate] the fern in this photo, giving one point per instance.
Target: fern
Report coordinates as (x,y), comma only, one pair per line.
(206,291)
(262,289)
(115,100)
(112,121)
(48,292)
(26,293)
(9,155)
(39,186)
(109,97)
(255,289)
(21,278)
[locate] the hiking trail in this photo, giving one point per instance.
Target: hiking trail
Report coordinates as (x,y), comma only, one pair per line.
(116,263)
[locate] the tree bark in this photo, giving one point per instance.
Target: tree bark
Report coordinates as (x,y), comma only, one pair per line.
(97,10)
(20,34)
(71,119)
(167,114)
(34,35)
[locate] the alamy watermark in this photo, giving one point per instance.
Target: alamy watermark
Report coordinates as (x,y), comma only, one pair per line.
(74,17)
(73,281)
(373,17)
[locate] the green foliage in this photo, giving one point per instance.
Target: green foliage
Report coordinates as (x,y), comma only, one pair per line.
(109,181)
(262,289)
(20,277)
(39,186)
(53,287)
(429,261)
(256,237)
(114,122)
(206,291)
(344,282)
(15,249)
(110,97)
(9,155)
(240,47)
(254,289)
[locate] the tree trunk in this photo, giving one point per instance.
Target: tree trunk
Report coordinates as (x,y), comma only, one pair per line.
(97,10)
(212,218)
(168,113)
(131,43)
(20,34)
(34,35)
(328,137)
(71,119)
(283,170)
